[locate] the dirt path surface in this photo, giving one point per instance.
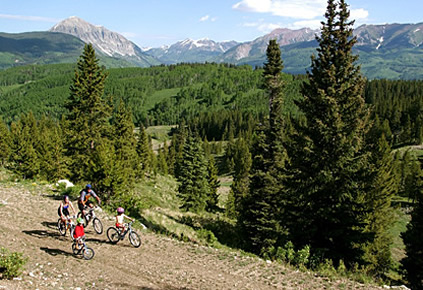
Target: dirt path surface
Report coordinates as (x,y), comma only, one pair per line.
(28,218)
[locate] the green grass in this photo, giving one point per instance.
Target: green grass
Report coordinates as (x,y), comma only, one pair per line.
(158,96)
(400,225)
(160,133)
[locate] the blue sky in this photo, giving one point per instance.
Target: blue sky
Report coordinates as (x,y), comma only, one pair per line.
(152,23)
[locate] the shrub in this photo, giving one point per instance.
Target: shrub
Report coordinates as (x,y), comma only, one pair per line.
(302,256)
(71,191)
(11,264)
(207,236)
(286,253)
(327,269)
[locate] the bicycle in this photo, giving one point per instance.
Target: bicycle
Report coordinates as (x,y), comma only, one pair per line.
(90,215)
(82,249)
(68,224)
(114,235)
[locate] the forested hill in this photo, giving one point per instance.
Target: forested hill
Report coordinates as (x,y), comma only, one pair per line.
(157,95)
(214,94)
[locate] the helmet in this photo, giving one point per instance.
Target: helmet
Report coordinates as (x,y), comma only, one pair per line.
(120,210)
(88,186)
(80,220)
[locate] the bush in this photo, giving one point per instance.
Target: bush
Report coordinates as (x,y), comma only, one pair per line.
(286,253)
(207,236)
(302,256)
(327,269)
(71,191)
(11,264)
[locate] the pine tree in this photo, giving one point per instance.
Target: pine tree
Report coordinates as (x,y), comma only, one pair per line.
(125,148)
(214,183)
(194,187)
(5,141)
(175,158)
(88,117)
(24,156)
(51,151)
(161,160)
(327,198)
(144,152)
(261,210)
(241,181)
(382,185)
(412,264)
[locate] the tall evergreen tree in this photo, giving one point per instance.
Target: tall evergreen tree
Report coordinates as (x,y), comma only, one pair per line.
(214,183)
(241,177)
(144,152)
(412,264)
(327,201)
(4,142)
(125,148)
(194,187)
(25,161)
(88,117)
(51,151)
(261,209)
(175,156)
(382,185)
(161,160)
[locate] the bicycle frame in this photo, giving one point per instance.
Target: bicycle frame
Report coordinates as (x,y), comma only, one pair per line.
(128,229)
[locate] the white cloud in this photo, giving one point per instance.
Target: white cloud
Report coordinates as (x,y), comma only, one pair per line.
(263,26)
(358,14)
(313,24)
(208,18)
(299,9)
(29,18)
(204,18)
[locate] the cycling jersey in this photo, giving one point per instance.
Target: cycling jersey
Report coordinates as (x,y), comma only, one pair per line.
(79,231)
(85,195)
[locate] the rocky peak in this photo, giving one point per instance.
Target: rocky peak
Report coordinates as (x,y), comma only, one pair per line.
(104,40)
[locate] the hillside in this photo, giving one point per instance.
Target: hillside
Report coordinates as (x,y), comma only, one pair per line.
(28,225)
(38,48)
(33,48)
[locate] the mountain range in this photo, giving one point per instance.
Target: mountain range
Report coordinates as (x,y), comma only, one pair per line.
(392,51)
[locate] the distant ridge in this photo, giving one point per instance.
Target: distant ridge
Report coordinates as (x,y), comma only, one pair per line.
(392,51)
(105,41)
(189,50)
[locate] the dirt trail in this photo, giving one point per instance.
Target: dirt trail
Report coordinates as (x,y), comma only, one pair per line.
(28,219)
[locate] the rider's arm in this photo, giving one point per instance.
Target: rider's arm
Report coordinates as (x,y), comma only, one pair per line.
(73,209)
(95,196)
(129,218)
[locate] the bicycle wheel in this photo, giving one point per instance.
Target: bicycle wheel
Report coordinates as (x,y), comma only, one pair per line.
(113,235)
(61,226)
(88,253)
(135,239)
(75,249)
(98,226)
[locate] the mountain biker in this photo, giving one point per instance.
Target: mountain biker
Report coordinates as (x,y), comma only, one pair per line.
(84,198)
(63,210)
(120,219)
(79,232)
